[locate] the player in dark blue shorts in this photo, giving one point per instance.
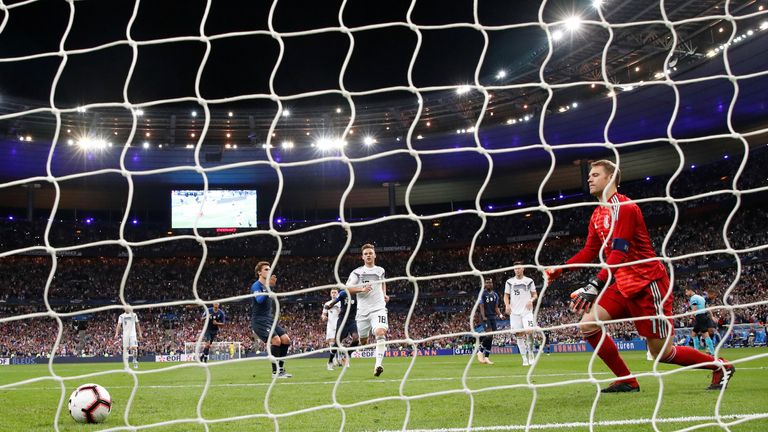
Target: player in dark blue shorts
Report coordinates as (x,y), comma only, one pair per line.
(216,319)
(489,311)
(262,319)
(346,326)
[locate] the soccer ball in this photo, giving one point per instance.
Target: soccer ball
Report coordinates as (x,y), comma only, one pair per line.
(90,403)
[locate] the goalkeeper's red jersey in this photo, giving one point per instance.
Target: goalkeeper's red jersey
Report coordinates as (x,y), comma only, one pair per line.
(628,242)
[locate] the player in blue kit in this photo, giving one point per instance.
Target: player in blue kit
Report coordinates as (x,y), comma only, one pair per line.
(216,319)
(345,323)
(489,311)
(262,319)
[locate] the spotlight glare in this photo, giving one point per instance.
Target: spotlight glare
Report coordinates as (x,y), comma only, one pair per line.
(573,23)
(369,140)
(463,89)
(230,114)
(501,74)
(557,35)
(145,145)
(597,3)
(286,113)
(194,113)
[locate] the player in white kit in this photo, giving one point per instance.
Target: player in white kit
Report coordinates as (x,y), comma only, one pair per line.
(519,295)
(130,324)
(331,316)
(371,318)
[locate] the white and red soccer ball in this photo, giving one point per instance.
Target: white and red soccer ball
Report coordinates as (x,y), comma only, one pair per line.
(90,403)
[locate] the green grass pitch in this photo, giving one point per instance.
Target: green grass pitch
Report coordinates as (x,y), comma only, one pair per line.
(436,396)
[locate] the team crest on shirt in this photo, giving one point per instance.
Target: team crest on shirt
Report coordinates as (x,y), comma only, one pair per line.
(607,221)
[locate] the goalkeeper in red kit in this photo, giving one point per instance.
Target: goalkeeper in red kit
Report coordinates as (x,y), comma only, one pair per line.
(638,289)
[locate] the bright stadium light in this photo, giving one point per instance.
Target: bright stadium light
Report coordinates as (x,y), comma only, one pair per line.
(463,89)
(139,112)
(194,113)
(230,114)
(145,144)
(369,140)
(573,23)
(287,144)
(557,35)
(286,113)
(764,25)
(597,4)
(501,74)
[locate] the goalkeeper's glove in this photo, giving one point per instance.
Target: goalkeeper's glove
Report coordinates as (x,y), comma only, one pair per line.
(583,298)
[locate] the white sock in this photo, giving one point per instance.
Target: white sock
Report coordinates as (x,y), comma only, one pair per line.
(523,348)
(380,348)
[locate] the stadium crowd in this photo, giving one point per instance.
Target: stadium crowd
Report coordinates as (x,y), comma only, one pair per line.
(166,271)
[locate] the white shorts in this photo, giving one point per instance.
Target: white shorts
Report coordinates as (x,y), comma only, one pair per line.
(330,329)
(374,320)
(129,341)
(522,322)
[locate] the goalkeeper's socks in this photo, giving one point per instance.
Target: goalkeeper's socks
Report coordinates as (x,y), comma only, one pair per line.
(710,346)
(696,342)
(609,354)
(380,348)
(687,356)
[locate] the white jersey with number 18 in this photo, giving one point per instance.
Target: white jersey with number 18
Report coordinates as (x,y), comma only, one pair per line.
(371,301)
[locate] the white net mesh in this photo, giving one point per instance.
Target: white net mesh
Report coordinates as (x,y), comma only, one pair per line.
(544,81)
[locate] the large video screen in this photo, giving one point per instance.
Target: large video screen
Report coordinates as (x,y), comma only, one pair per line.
(222,209)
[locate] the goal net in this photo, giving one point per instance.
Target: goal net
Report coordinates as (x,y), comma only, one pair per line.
(219,350)
(154,152)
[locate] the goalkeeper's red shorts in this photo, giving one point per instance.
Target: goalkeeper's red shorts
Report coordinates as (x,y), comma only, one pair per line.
(648,302)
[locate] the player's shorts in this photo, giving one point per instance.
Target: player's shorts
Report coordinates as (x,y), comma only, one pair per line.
(490,324)
(647,302)
(129,341)
(366,324)
(521,321)
(330,329)
(349,328)
(262,328)
(210,336)
(703,323)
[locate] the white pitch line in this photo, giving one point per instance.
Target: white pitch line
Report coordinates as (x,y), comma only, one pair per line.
(640,421)
(365,381)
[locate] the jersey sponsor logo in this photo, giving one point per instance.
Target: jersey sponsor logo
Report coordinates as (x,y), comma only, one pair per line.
(607,221)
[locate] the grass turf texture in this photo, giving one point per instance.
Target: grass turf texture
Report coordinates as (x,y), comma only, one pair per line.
(502,398)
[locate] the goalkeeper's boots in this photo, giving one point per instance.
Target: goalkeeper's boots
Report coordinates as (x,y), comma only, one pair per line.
(283,374)
(622,387)
(722,376)
(378,371)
